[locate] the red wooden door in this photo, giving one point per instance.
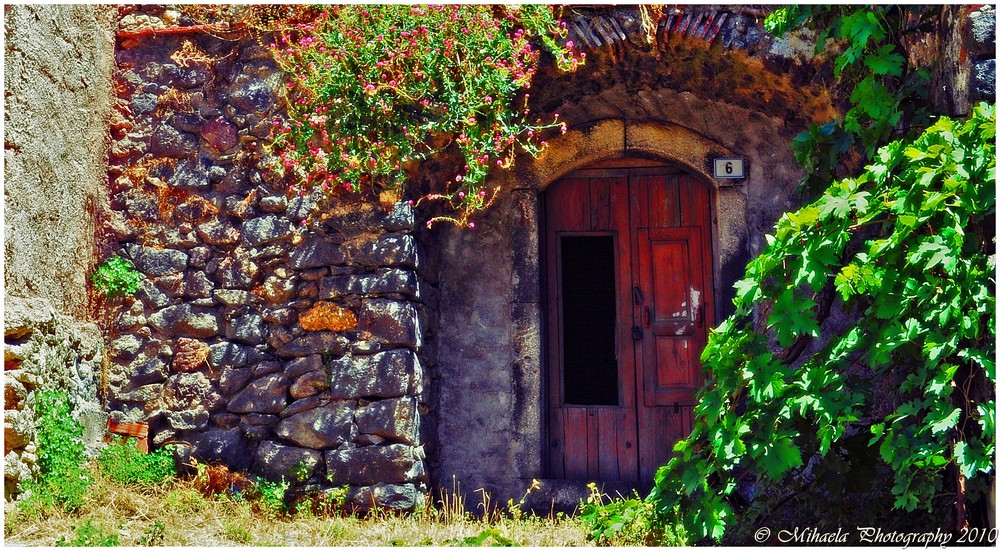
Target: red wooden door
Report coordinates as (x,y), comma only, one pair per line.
(628,287)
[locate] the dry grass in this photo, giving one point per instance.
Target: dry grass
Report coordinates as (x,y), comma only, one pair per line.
(176,514)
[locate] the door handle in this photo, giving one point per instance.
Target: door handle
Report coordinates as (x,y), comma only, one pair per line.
(637,295)
(701,316)
(649,317)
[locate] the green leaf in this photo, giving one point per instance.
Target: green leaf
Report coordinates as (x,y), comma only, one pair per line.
(885,61)
(779,458)
(947,422)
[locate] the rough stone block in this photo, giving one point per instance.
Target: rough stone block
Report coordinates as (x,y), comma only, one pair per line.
(167,141)
(190,355)
(266,368)
(391,323)
(314,343)
(395,463)
(232,380)
(266,395)
(220,134)
(403,282)
(305,404)
(227,354)
(260,231)
(233,297)
(320,428)
(310,384)
(218,232)
(197,285)
(275,461)
(984,80)
(273,203)
(301,366)
(385,375)
(142,394)
(184,320)
(188,420)
(394,419)
(316,251)
(190,391)
(395,497)
(237,272)
(190,173)
(151,296)
(157,262)
(327,316)
(388,251)
(249,329)
(226,446)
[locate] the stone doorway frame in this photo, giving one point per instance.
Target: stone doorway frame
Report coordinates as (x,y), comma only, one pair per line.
(604,140)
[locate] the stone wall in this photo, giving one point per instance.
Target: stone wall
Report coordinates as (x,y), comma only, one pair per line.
(57,93)
(256,339)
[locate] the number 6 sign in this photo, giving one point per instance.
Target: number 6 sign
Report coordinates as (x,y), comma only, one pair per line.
(728,168)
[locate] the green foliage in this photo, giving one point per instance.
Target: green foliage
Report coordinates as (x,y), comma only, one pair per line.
(491,536)
(63,480)
(271,495)
(375,89)
(886,97)
(124,463)
(88,534)
(907,246)
(627,522)
(116,277)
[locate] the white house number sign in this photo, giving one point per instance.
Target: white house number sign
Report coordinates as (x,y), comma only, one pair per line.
(729,168)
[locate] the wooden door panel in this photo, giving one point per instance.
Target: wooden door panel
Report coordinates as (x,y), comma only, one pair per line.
(670,271)
(678,366)
(672,282)
(577,447)
(596,442)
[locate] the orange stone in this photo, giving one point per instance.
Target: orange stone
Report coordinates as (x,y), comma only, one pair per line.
(327,316)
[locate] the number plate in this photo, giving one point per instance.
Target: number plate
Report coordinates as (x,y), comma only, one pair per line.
(729,168)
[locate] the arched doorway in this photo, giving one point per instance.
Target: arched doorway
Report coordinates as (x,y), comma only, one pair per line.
(628,268)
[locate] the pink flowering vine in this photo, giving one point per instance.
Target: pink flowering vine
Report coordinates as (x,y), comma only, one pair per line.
(381,87)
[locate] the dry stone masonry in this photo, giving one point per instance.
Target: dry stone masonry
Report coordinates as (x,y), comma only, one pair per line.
(256,340)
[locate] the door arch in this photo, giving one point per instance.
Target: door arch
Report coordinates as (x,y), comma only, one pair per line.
(628,265)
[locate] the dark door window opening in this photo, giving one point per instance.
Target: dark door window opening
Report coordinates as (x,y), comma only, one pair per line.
(590,364)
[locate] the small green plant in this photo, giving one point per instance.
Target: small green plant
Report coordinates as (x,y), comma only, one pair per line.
(88,534)
(515,510)
(236,533)
(116,277)
(63,479)
(299,471)
(628,521)
(184,501)
(155,535)
(272,495)
(124,463)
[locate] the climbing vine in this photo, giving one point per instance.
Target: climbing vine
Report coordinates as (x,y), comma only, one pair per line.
(887,99)
(908,247)
(375,89)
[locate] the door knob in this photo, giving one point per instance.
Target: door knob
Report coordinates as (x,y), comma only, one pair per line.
(636,333)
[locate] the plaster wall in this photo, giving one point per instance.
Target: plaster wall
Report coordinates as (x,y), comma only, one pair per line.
(57,97)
